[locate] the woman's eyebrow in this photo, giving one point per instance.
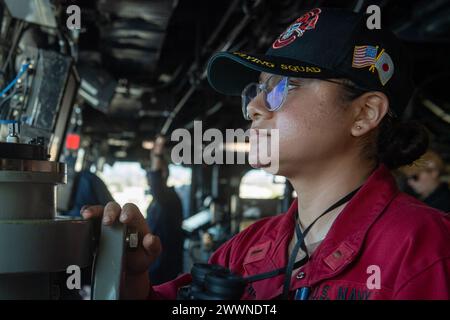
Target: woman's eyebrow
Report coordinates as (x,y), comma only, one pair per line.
(296,80)
(262,77)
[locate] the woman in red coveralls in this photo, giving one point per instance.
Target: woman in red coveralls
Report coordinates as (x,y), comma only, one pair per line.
(335,91)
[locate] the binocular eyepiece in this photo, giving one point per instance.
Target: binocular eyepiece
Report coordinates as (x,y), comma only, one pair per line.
(212,282)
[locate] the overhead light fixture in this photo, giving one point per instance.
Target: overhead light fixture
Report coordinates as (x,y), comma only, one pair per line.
(118,142)
(120,154)
(237,147)
(147,144)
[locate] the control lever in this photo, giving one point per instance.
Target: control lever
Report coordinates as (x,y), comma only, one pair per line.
(109,260)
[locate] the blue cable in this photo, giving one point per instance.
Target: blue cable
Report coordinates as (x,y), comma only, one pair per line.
(23,69)
(8,121)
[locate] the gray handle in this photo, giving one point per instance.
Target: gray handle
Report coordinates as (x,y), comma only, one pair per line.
(108,265)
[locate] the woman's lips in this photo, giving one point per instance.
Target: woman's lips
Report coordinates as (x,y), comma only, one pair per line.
(258,136)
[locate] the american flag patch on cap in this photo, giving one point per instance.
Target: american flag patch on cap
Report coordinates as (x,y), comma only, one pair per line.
(364,56)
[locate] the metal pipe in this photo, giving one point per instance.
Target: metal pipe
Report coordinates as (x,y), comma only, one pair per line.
(235,32)
(222,23)
(177,109)
(15,42)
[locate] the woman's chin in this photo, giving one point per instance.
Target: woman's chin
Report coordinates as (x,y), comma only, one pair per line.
(255,161)
(259,165)
(268,167)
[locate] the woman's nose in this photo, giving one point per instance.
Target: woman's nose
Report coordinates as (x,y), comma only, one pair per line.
(257,108)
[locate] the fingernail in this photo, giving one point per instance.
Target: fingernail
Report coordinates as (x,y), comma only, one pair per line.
(106,219)
(85,213)
(123,217)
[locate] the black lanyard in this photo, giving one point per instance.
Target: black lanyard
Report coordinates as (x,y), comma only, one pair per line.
(299,244)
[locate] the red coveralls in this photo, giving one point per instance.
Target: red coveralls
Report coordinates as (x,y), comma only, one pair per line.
(406,242)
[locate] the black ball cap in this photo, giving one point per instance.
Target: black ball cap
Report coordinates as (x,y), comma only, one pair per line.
(324,43)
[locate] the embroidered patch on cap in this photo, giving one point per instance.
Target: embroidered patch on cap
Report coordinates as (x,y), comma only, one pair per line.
(298,28)
(366,56)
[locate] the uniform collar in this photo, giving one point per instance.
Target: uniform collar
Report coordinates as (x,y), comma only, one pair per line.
(342,243)
(345,238)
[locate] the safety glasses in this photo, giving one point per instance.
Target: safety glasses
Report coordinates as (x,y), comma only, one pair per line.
(274,92)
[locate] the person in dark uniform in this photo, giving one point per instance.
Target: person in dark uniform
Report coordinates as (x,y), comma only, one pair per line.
(425,179)
(88,189)
(164,218)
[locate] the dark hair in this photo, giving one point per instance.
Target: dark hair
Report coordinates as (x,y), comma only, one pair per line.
(398,143)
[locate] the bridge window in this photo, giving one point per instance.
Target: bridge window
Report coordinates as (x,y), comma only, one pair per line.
(258,184)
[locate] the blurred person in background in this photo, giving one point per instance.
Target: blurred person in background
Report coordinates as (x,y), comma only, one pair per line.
(164,218)
(88,188)
(425,178)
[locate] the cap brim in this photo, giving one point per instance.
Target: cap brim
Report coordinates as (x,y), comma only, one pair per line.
(229,73)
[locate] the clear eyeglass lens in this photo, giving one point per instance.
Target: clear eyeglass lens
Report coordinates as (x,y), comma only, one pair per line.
(273,90)
(250,92)
(273,81)
(275,96)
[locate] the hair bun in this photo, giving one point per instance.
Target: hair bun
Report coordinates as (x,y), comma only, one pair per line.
(404,143)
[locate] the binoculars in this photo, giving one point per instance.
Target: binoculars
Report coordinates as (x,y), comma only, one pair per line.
(212,282)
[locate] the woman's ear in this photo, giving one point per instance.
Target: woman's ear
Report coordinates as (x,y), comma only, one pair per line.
(370,108)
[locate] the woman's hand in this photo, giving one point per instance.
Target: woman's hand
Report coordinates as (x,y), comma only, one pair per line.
(158,149)
(157,155)
(137,282)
